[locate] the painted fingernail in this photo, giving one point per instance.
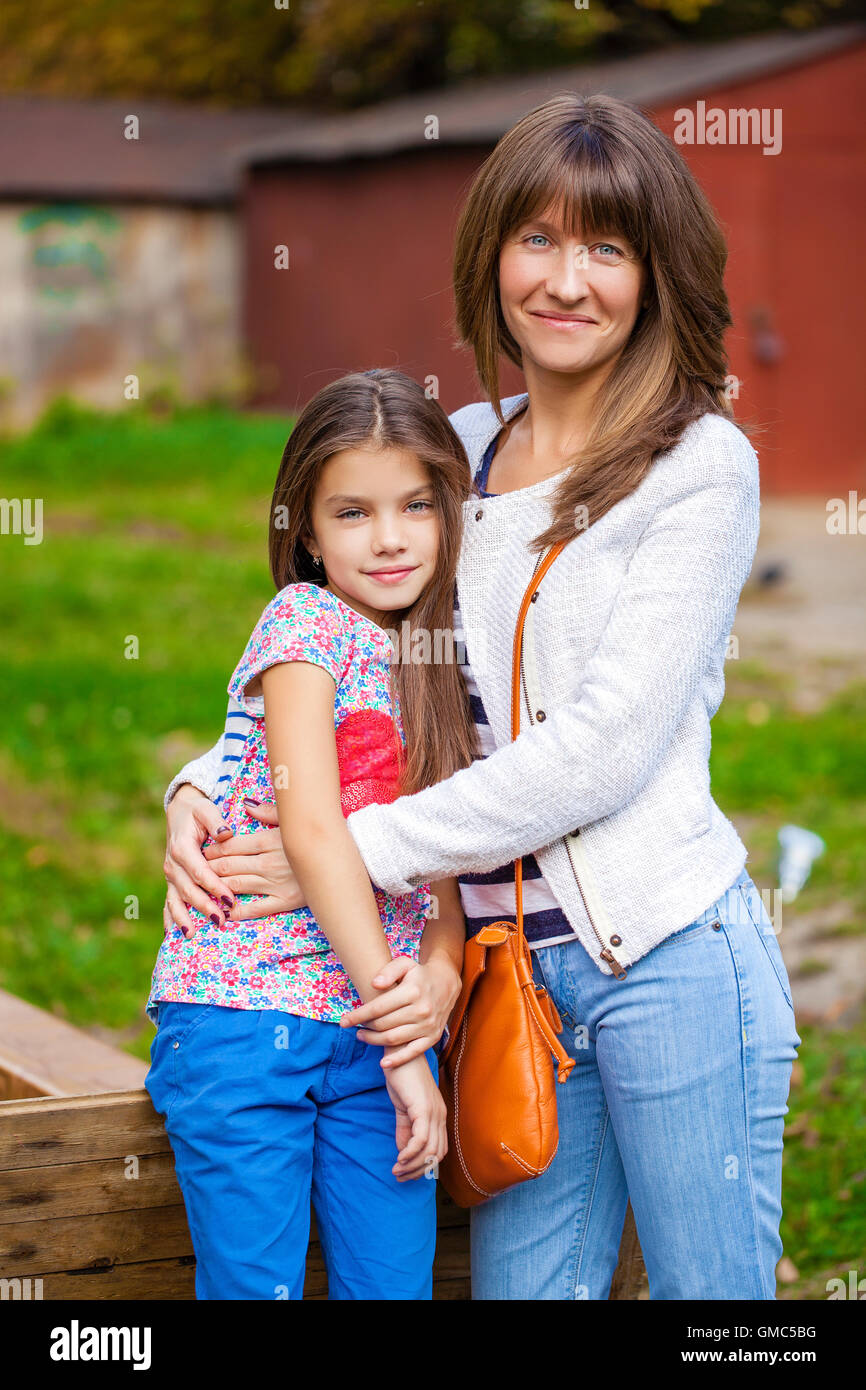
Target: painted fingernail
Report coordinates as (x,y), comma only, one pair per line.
(222,828)
(214,919)
(227,903)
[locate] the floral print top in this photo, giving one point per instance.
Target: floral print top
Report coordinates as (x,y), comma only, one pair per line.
(285,961)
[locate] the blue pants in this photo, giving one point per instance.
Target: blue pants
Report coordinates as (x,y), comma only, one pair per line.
(677,1101)
(264,1109)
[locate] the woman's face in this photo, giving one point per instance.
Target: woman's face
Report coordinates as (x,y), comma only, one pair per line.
(570,305)
(376,526)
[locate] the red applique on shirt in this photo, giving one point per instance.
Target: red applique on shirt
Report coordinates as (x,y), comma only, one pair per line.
(370,758)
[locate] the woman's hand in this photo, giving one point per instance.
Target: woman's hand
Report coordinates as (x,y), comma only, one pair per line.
(421,1133)
(413,1012)
(257,864)
(191,818)
(241,864)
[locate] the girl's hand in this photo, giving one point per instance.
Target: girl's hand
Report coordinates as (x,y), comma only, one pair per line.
(257,864)
(421,1133)
(413,1012)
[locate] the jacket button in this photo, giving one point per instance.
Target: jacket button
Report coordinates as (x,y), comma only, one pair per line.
(176,1046)
(534,597)
(540,716)
(616,941)
(478,515)
(717,926)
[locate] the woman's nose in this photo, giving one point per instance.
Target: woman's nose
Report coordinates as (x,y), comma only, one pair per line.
(568,278)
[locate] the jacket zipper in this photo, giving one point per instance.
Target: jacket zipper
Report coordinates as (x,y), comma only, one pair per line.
(605,953)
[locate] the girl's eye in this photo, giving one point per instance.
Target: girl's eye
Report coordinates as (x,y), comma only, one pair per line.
(351,512)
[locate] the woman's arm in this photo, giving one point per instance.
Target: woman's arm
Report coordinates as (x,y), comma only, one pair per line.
(589,758)
(202,772)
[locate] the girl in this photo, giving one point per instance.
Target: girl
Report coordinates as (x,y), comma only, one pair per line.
(264,1095)
(588,255)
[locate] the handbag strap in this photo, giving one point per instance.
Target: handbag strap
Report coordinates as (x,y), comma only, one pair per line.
(538,574)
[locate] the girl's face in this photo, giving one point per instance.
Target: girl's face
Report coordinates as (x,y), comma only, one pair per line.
(375,525)
(570,305)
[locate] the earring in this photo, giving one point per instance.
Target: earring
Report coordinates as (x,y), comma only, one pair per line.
(317,561)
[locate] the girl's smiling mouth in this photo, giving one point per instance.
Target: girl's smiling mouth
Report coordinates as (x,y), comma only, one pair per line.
(391,576)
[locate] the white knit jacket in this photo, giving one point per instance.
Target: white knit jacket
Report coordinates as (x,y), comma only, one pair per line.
(608,783)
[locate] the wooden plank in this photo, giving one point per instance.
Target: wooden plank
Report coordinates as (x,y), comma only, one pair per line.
(146,1281)
(447,1213)
(99,1241)
(72,1129)
(16,1086)
(452,1253)
(316,1278)
(60,1158)
(41,1051)
(629,1277)
(82,1189)
(452,1289)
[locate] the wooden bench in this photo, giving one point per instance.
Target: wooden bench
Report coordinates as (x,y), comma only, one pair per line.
(89,1203)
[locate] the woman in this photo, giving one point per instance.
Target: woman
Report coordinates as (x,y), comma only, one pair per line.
(588,255)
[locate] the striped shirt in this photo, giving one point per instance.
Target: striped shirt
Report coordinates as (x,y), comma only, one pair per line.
(490,897)
(234,737)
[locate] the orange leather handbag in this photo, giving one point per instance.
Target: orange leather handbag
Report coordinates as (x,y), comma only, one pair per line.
(495,1071)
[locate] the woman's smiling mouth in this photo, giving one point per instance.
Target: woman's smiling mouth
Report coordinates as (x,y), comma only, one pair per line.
(563,320)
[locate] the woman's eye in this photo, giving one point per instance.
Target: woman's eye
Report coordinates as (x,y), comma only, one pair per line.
(537,236)
(606,246)
(350,511)
(421,502)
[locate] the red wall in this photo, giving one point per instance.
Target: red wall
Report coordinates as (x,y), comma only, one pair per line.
(369,282)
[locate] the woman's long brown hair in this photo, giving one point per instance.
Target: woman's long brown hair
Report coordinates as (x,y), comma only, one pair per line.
(384,409)
(606,168)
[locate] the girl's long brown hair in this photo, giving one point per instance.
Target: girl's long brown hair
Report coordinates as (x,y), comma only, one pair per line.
(606,168)
(385,409)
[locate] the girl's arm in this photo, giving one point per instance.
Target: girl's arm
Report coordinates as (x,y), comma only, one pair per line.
(590,757)
(413,1014)
(445,933)
(302,751)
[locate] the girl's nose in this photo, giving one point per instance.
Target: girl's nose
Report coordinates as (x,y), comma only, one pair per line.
(389,539)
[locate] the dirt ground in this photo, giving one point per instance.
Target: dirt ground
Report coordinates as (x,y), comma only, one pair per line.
(809,624)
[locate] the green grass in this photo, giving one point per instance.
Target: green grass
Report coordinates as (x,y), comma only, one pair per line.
(153,529)
(156,528)
(824,1176)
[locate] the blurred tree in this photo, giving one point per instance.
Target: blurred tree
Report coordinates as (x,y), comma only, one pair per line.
(343,53)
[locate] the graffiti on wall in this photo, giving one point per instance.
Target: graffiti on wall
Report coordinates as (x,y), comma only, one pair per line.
(72,250)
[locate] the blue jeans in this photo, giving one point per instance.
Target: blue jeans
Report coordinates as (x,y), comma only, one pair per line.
(263,1109)
(677,1102)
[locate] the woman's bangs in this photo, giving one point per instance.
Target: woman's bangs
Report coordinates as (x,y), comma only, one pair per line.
(577,185)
